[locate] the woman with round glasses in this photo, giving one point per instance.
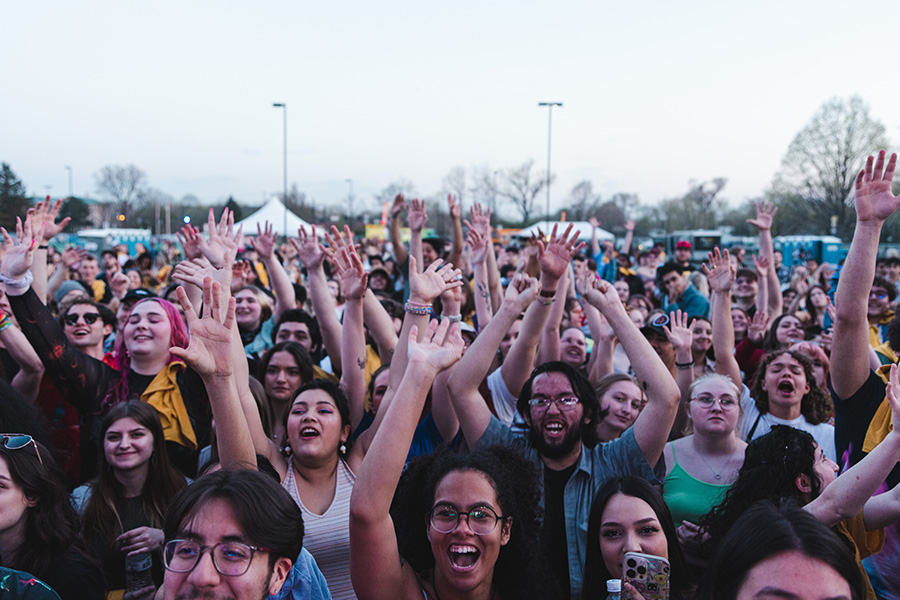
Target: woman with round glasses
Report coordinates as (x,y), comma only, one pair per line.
(479,537)
(38,525)
(701,466)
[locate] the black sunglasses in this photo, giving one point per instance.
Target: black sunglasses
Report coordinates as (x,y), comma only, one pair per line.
(89,318)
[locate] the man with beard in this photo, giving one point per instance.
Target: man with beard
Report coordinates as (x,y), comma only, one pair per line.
(559,407)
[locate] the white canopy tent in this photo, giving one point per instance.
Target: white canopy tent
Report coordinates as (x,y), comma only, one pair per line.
(582,226)
(274,211)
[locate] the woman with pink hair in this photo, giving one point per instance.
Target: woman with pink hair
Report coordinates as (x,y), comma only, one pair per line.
(143,366)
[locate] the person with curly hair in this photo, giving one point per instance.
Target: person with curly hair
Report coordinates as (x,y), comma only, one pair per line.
(788,463)
(785,393)
(395,553)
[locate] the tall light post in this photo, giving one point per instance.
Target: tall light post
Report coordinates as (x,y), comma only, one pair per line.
(549,106)
(283,106)
(69,169)
(350,214)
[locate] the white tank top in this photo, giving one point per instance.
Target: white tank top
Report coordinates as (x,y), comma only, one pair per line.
(327,536)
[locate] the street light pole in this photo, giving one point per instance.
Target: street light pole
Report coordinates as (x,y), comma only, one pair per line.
(350,215)
(549,106)
(283,106)
(69,169)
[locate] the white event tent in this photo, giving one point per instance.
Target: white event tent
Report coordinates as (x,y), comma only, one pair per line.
(583,227)
(274,211)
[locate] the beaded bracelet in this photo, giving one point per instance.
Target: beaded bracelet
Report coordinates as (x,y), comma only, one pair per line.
(417,309)
(5,321)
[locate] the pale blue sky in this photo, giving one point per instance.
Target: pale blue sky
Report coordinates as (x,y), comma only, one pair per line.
(656,93)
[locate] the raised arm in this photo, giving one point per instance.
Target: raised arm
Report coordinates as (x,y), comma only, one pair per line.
(354,283)
(554,259)
(761,266)
(455,208)
(400,253)
(480,248)
(681,334)
(844,497)
(874,204)
(376,567)
(549,346)
(601,363)
(629,236)
(468,374)
(481,221)
(285,297)
(47,214)
(380,326)
(654,423)
(765,214)
(31,370)
(312,256)
(209,355)
(417,217)
(721,274)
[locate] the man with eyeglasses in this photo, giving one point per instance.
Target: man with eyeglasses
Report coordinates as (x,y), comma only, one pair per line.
(231,534)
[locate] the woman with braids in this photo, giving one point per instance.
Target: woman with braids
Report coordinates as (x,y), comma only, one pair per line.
(788,463)
(124,507)
(145,367)
(38,524)
(479,538)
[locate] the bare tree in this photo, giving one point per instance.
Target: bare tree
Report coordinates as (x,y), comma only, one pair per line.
(522,187)
(822,161)
(123,186)
(484,186)
(455,183)
(697,209)
(398,186)
(583,202)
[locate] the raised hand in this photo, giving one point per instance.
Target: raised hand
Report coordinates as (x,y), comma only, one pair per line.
(347,263)
(680,334)
(424,287)
(454,206)
(595,223)
(265,240)
(440,348)
(761,265)
(892,392)
(398,205)
(189,237)
(195,271)
(765,214)
(757,329)
(118,284)
(20,251)
(141,539)
(721,271)
(478,244)
(603,295)
(240,274)
(417,215)
(47,214)
(308,248)
(520,292)
(629,225)
(480,220)
(874,200)
(558,252)
(73,255)
(209,352)
(222,237)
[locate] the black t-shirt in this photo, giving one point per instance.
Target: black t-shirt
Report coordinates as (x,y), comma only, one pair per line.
(555,524)
(852,418)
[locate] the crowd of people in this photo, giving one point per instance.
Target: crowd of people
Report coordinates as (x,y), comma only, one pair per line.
(320,415)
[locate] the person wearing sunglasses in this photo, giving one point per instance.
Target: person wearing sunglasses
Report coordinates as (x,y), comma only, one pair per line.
(479,537)
(38,524)
(144,368)
(87,325)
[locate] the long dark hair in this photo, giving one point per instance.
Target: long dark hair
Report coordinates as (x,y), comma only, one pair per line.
(520,571)
(771,466)
(595,571)
(51,524)
(101,514)
(816,404)
(766,530)
(340,401)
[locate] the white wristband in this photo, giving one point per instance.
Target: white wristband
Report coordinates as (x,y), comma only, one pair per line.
(22,283)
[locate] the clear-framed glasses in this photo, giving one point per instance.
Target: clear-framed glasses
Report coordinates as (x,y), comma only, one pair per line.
(706,401)
(540,404)
(229,558)
(17,441)
(482,519)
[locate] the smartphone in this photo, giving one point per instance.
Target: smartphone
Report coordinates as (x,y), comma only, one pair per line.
(648,574)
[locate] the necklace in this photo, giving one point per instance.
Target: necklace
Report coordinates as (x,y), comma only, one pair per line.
(434,587)
(718,476)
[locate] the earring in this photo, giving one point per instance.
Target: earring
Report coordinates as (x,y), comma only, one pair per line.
(343,449)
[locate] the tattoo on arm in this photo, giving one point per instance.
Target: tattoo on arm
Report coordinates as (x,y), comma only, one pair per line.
(361,363)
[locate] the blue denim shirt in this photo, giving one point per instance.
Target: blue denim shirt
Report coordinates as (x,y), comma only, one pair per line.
(612,459)
(304,581)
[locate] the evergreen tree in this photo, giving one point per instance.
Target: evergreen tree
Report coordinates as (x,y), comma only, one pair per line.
(14,201)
